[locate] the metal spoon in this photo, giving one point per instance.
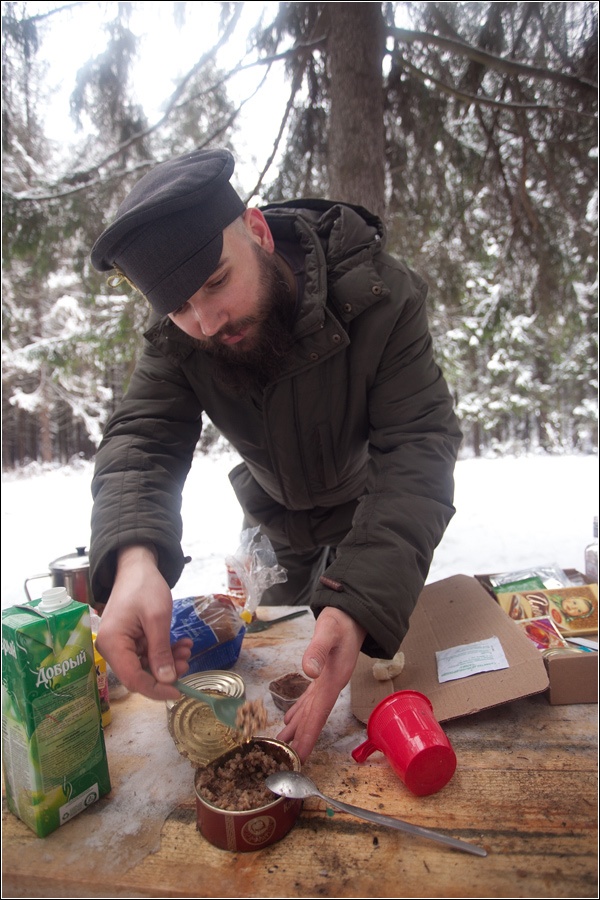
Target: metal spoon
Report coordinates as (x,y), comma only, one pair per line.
(224,708)
(294,784)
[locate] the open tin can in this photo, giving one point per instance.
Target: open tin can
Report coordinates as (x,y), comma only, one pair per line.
(252,829)
(197,734)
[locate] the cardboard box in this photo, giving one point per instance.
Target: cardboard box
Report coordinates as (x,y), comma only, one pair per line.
(450,613)
(573,677)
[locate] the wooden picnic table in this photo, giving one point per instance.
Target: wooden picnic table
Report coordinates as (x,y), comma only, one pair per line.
(524,788)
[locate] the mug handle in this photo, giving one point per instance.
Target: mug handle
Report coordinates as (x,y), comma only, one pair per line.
(363,751)
(33,578)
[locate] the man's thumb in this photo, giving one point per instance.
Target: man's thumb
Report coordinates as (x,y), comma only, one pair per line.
(318,649)
(162,665)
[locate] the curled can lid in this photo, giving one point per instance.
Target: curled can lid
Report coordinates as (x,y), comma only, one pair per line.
(197,734)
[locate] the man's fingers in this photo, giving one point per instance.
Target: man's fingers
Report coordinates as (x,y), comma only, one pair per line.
(305,721)
(135,631)
(157,628)
(145,683)
(325,637)
(329,659)
(162,666)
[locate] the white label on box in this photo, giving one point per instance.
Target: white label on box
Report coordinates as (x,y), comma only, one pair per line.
(470,659)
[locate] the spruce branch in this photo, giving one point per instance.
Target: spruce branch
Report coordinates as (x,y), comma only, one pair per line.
(498,63)
(480,100)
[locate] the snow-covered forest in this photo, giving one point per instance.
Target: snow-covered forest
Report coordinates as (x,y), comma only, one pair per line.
(511,513)
(472,130)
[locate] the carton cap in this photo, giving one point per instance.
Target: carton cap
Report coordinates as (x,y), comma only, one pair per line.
(54,598)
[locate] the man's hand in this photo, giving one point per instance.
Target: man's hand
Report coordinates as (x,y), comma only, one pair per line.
(135,628)
(329,659)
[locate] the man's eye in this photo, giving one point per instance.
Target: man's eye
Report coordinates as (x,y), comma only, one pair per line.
(179,310)
(219,281)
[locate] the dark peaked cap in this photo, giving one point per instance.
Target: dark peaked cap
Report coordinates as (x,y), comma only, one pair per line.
(167,238)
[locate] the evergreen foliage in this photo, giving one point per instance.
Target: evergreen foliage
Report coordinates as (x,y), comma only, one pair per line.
(484,165)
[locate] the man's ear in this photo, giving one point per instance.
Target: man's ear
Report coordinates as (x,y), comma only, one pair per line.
(258,229)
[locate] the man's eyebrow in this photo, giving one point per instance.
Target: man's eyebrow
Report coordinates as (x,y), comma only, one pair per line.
(223,263)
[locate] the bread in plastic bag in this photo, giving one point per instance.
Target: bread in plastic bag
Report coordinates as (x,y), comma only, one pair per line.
(213,623)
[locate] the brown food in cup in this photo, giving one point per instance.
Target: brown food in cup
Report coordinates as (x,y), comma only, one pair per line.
(287,689)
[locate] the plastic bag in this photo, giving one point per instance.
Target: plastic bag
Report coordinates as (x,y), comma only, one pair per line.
(536,578)
(256,566)
(214,622)
(214,625)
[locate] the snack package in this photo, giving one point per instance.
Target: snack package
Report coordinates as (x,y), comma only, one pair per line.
(256,567)
(574,610)
(536,578)
(213,623)
(543,632)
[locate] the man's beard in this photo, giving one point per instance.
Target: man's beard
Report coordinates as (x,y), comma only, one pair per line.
(246,371)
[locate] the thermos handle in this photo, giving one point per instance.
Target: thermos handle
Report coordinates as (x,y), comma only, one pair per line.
(33,578)
(363,751)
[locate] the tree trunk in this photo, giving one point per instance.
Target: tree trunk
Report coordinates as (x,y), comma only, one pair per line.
(45,420)
(356,152)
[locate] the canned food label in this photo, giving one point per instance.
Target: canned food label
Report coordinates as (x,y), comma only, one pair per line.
(259,830)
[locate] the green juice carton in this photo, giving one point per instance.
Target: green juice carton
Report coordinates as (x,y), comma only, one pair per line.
(53,749)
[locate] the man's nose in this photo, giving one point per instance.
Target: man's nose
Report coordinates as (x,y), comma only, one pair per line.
(210,320)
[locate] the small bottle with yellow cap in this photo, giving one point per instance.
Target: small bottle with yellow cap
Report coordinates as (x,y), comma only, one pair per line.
(101,675)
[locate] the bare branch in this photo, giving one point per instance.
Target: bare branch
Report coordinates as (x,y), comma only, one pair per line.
(206,57)
(39,17)
(297,80)
(172,102)
(87,178)
(90,177)
(298,47)
(32,197)
(23,196)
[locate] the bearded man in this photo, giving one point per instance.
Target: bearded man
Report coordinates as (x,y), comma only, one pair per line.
(308,347)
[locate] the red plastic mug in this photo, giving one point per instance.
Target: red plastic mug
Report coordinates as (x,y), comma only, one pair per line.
(404,728)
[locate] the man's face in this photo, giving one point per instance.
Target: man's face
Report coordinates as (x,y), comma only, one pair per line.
(228,311)
(243,314)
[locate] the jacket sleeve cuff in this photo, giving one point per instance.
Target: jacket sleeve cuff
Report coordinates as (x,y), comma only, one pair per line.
(380,642)
(103,566)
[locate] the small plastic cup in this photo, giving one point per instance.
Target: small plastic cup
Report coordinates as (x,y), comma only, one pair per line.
(404,728)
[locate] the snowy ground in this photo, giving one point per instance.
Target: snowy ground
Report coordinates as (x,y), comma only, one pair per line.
(511,513)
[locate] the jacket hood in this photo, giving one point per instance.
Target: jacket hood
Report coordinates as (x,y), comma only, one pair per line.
(341,243)
(344,227)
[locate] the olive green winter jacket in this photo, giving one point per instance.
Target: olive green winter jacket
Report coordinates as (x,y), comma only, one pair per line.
(352,445)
